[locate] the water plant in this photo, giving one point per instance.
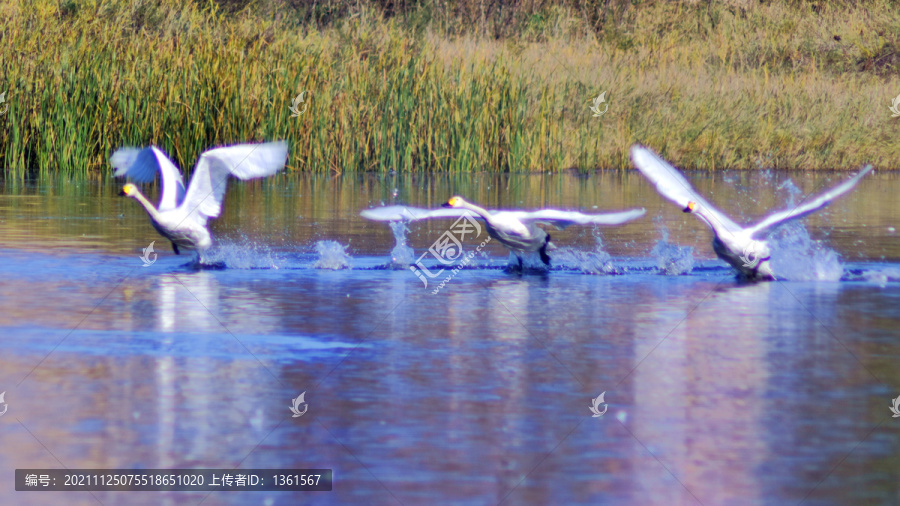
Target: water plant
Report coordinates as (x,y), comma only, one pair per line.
(439,87)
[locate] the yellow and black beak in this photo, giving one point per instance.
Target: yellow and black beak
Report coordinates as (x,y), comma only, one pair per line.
(446,204)
(122,193)
(690,207)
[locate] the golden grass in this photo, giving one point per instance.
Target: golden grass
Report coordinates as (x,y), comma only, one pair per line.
(711,86)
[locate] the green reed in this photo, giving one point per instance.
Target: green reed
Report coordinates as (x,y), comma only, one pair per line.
(711,85)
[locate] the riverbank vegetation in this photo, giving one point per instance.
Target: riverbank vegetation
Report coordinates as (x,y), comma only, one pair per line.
(453,85)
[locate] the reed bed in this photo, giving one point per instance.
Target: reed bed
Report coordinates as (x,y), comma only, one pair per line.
(712,85)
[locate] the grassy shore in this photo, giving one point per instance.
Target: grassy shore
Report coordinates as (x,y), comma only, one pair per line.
(445,86)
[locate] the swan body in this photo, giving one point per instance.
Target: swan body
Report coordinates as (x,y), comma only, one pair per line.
(181,216)
(744,248)
(517,230)
(516,233)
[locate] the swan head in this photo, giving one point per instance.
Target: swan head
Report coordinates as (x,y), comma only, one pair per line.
(129,190)
(691,207)
(455,201)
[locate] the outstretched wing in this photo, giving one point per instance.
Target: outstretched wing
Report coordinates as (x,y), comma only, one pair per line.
(403,213)
(562,219)
(768,225)
(141,165)
(673,186)
(243,161)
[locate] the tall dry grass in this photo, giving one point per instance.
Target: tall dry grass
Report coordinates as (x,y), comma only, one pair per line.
(438,86)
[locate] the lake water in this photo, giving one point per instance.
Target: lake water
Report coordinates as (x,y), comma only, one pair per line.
(716,391)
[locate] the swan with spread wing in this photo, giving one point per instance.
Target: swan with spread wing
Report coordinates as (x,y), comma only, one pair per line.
(517,230)
(744,248)
(182,215)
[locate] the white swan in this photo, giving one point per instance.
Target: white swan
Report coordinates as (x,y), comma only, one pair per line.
(181,217)
(517,230)
(744,248)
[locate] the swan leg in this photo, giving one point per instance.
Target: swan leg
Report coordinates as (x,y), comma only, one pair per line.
(543,251)
(175,248)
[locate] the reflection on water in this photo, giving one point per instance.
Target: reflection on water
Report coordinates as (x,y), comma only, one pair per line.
(718,392)
(290,213)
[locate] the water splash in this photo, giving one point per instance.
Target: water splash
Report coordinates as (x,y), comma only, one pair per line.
(588,262)
(243,253)
(402,256)
(671,259)
(332,255)
(792,191)
(797,257)
(882,276)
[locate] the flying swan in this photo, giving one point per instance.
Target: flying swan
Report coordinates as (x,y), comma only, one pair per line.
(744,248)
(181,216)
(517,230)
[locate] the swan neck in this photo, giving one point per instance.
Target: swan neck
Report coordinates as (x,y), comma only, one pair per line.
(478,210)
(701,213)
(147,205)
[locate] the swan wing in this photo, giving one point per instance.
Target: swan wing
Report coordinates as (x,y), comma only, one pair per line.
(562,219)
(141,165)
(403,213)
(769,224)
(243,161)
(672,185)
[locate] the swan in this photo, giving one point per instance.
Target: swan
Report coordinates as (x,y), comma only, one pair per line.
(517,230)
(744,248)
(181,216)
